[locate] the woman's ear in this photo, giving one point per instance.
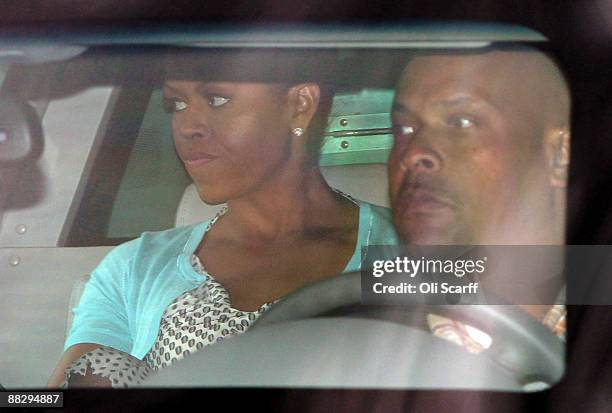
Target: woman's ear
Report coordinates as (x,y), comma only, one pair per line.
(305,98)
(558,156)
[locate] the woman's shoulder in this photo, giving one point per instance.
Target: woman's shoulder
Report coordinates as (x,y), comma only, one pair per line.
(376,214)
(377,211)
(171,241)
(175,237)
(376,224)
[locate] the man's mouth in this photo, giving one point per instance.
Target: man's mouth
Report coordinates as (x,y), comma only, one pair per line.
(423,201)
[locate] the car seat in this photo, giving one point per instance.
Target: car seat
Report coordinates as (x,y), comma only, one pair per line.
(366,182)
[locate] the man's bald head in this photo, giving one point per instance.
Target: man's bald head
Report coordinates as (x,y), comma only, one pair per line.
(475,131)
(519,78)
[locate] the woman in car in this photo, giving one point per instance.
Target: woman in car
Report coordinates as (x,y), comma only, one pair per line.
(250,141)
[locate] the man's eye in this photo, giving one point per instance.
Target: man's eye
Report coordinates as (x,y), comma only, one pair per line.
(403,130)
(215,101)
(174,105)
(462,122)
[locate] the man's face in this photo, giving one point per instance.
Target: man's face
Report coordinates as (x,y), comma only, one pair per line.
(466,135)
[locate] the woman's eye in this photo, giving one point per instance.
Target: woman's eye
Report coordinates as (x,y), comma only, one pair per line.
(215,101)
(462,122)
(174,105)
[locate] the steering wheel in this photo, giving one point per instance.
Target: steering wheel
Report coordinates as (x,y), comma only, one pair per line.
(521,344)
(320,336)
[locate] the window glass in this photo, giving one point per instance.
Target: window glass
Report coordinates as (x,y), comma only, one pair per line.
(464,152)
(152,169)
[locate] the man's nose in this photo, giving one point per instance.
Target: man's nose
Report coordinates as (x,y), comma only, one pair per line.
(422,159)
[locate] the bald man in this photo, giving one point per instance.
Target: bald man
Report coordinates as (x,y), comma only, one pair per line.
(481,151)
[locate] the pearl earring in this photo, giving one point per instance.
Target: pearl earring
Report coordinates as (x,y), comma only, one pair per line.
(298,131)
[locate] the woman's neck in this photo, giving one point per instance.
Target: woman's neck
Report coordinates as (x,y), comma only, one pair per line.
(284,206)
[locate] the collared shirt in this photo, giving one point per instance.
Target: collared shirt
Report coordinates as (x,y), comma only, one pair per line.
(476,341)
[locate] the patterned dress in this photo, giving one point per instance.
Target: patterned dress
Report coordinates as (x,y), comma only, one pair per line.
(195,319)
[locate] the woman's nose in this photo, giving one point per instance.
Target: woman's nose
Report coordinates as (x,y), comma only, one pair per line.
(191,125)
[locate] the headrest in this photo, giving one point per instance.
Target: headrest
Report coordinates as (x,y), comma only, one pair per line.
(366,182)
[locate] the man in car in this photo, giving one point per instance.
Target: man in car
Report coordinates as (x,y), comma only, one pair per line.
(480,157)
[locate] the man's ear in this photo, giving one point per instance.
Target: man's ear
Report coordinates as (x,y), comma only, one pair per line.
(557,152)
(305,98)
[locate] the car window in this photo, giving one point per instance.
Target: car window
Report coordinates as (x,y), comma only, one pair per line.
(132,158)
(109,172)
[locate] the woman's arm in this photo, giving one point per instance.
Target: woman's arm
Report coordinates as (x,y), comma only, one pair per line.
(71,355)
(100,319)
(93,365)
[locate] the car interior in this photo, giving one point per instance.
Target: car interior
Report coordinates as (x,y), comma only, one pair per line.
(87,162)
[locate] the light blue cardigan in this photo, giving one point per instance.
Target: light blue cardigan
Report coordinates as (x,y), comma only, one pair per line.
(127,294)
